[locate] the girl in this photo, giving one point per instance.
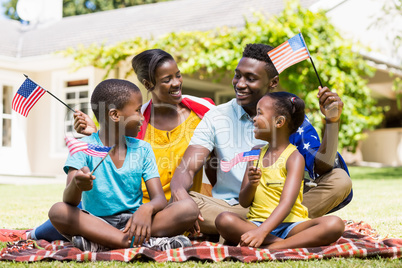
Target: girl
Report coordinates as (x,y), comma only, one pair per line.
(273,186)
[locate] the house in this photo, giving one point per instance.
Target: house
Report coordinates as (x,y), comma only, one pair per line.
(35,145)
(359,21)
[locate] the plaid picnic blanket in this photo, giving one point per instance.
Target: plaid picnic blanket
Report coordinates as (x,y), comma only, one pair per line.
(359,240)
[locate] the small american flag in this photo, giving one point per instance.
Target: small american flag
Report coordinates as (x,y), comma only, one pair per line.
(241,157)
(75,146)
(26,97)
(291,52)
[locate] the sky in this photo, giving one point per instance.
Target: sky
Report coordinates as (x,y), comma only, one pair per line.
(2,9)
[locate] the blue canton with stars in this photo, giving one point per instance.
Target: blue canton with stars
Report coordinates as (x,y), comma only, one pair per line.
(27,88)
(296,42)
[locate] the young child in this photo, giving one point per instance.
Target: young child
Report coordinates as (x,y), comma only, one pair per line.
(113,215)
(273,187)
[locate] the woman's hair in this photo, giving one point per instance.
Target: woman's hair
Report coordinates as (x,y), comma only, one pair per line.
(290,106)
(145,64)
(111,93)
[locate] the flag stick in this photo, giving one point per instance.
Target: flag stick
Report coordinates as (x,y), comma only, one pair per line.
(51,94)
(258,161)
(92,172)
(319,80)
(311,59)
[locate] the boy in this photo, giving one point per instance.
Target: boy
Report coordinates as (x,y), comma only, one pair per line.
(113,215)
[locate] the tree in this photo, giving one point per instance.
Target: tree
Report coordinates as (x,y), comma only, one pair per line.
(79,7)
(10,9)
(214,54)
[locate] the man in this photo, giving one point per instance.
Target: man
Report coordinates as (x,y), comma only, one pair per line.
(228,130)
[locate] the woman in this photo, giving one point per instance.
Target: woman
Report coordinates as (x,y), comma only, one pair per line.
(170,120)
(170,117)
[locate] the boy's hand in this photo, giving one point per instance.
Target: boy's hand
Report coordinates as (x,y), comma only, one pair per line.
(139,226)
(254,175)
(83,179)
(83,124)
(331,104)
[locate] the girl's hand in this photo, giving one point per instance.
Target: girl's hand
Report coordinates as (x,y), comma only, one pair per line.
(83,124)
(83,179)
(254,175)
(139,226)
(253,238)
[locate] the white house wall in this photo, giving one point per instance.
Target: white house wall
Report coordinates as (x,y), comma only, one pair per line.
(14,159)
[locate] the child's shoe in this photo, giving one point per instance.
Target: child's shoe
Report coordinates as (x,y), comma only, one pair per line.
(86,245)
(165,243)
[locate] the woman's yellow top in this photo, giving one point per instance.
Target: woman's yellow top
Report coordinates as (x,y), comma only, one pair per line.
(169,148)
(269,191)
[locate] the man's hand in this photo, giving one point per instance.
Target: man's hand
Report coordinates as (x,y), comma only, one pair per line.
(83,124)
(331,104)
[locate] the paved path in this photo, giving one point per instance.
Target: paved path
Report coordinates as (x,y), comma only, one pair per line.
(31,180)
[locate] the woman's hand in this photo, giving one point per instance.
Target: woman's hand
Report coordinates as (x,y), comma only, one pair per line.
(83,124)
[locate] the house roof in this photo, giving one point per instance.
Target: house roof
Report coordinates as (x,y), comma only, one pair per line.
(112,26)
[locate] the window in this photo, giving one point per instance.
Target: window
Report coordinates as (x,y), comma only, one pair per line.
(76,95)
(5,116)
(74,89)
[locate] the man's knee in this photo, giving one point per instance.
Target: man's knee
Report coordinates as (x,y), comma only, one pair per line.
(342,182)
(190,208)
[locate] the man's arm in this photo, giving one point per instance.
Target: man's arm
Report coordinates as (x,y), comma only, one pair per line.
(331,106)
(182,180)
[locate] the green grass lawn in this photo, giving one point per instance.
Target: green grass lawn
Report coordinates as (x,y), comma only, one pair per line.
(377,201)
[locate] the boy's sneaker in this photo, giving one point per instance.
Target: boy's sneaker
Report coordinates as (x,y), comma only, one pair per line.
(86,245)
(165,243)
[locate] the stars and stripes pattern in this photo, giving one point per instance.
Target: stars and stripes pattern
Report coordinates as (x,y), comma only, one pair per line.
(290,52)
(241,157)
(75,146)
(26,97)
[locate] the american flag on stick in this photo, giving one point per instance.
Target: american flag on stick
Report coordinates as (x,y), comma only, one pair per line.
(75,146)
(290,52)
(241,157)
(26,97)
